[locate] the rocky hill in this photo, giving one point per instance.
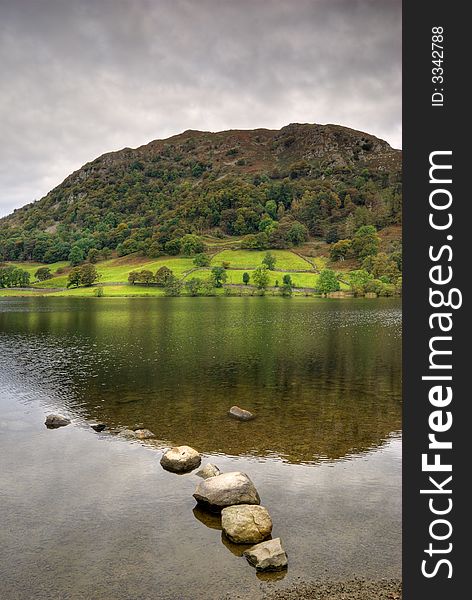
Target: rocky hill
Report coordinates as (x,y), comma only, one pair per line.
(326,179)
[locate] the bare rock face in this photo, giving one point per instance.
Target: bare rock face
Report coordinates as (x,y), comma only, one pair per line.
(208,470)
(181,459)
(143,434)
(226,489)
(240,413)
(54,421)
(246,523)
(267,556)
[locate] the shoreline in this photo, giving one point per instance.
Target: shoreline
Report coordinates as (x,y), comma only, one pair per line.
(348,589)
(126,291)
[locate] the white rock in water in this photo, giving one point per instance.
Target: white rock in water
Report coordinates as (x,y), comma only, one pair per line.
(246,523)
(127,433)
(267,556)
(225,490)
(55,421)
(208,470)
(240,413)
(143,434)
(181,459)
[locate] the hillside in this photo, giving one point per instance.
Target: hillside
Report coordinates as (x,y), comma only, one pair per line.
(278,188)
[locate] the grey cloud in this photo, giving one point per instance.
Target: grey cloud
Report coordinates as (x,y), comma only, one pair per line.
(82,78)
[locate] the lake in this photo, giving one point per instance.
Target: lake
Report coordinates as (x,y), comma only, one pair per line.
(89,515)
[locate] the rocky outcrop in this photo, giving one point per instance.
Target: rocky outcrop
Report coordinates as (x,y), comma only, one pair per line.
(225,490)
(209,470)
(267,556)
(181,459)
(240,413)
(54,421)
(246,523)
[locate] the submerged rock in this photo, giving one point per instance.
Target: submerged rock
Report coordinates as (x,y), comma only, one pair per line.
(181,459)
(246,523)
(215,493)
(98,426)
(208,470)
(240,413)
(54,421)
(143,434)
(267,556)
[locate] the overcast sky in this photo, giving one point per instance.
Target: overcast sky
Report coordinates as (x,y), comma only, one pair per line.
(82,77)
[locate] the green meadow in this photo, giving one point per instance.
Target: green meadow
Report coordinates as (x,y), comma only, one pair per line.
(114,273)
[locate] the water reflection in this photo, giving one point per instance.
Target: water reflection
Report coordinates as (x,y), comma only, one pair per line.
(323,377)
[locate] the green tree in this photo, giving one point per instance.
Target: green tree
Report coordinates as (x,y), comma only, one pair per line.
(6,276)
(133,277)
(146,277)
(43,273)
(13,276)
(358,281)
(271,208)
(76,256)
(218,276)
(88,274)
(172,247)
(93,255)
(380,266)
(261,277)
(163,276)
(287,285)
(246,278)
(328,282)
(193,286)
(297,233)
(332,236)
(201,260)
(365,242)
(269,261)
(74,277)
(173,287)
(340,250)
(191,244)
(24,278)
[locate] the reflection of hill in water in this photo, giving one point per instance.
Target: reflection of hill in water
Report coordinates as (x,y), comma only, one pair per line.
(322,376)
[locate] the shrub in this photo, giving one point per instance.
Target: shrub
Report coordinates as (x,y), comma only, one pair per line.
(201,260)
(43,274)
(328,282)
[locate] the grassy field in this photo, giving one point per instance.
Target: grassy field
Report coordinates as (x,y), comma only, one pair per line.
(116,271)
(250,259)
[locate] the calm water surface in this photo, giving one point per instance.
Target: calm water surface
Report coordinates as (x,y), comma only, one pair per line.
(87,515)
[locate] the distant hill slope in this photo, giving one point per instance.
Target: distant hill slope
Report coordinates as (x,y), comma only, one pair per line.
(326,180)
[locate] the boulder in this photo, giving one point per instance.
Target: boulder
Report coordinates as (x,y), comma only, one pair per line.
(143,434)
(208,470)
(240,414)
(267,556)
(126,433)
(181,459)
(246,523)
(98,426)
(215,493)
(55,421)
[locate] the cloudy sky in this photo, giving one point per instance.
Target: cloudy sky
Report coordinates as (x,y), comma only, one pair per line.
(82,77)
